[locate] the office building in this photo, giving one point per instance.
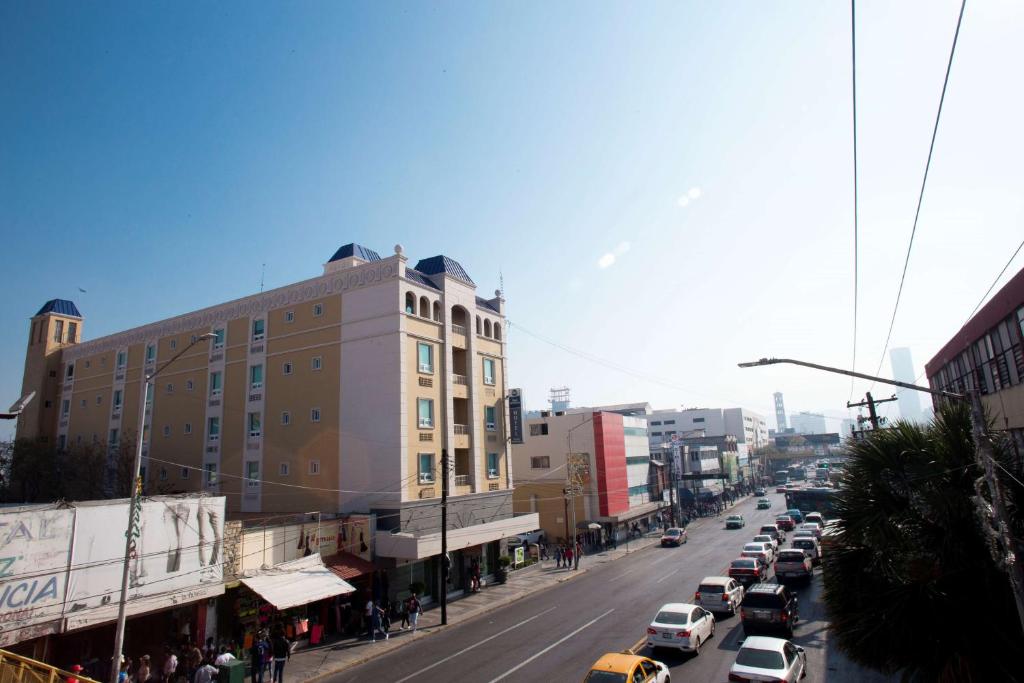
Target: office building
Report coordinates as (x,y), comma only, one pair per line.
(903,371)
(780,412)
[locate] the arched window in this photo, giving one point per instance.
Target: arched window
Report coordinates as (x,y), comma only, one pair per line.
(497,331)
(479,326)
(487,328)
(424,307)
(410,303)
(437,311)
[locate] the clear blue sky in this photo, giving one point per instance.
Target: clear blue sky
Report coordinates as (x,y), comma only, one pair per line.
(157,154)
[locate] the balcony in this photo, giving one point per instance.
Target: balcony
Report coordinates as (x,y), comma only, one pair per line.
(460,386)
(461,436)
(459,336)
(461,480)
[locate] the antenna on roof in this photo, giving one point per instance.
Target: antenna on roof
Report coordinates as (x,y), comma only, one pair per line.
(263,271)
(501,282)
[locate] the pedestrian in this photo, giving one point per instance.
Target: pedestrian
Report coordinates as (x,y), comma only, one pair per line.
(558,557)
(375,623)
(224,657)
(282,652)
(205,673)
(123,673)
(170,665)
(577,554)
(256,655)
(145,670)
(404,610)
(368,614)
(385,616)
(567,557)
(474,573)
(414,611)
(75,669)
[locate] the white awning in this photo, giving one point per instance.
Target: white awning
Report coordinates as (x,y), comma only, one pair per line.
(408,546)
(298,582)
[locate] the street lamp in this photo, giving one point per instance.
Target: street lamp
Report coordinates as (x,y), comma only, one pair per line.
(129,545)
(15,410)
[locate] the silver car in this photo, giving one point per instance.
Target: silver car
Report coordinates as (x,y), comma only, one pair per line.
(719,594)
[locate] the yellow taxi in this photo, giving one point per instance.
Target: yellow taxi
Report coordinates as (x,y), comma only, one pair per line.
(625,667)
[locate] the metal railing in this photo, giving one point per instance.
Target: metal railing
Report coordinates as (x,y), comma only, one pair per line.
(462,480)
(462,430)
(458,329)
(17,669)
(460,379)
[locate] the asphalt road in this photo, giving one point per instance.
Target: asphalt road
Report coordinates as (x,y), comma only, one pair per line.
(557,634)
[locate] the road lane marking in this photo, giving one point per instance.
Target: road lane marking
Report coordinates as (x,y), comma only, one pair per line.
(671,573)
(628,571)
(551,646)
(638,645)
(475,645)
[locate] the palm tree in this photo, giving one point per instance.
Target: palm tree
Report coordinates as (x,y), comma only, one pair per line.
(910,584)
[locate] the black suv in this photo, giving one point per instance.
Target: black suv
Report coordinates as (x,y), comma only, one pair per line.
(769,607)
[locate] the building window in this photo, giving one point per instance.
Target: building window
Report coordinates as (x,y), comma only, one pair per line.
(487,328)
(426,468)
(72,333)
(425,353)
(88,364)
(113,437)
(669,422)
(188,427)
(284,469)
(489,371)
(497,331)
(189,385)
(255,428)
(174,344)
(170,388)
(698,419)
(163,474)
(218,338)
(83,402)
(410,303)
(318,363)
(426,413)
(539,429)
(213,428)
(211,473)
(167,430)
(150,353)
(289,316)
(184,473)
(286,418)
(58,331)
(286,368)
(437,311)
(540,462)
(193,339)
(62,442)
(118,396)
(258,330)
(65,406)
(492,466)
(489,418)
(424,307)
(479,325)
(314,415)
(256,377)
(71,370)
(655,433)
(121,359)
(99,400)
(318,310)
(314,467)
(252,474)
(215,384)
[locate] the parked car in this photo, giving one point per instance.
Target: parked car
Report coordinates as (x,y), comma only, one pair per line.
(719,594)
(798,517)
(810,546)
(621,667)
(748,570)
(735,522)
(673,537)
(681,626)
(774,531)
(759,491)
(813,527)
(768,538)
(762,550)
(785,522)
(761,658)
(769,607)
(793,563)
(764,504)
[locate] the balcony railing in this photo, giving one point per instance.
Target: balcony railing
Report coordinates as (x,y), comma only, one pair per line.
(460,379)
(458,329)
(462,430)
(462,480)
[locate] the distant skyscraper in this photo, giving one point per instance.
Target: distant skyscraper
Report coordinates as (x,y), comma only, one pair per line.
(780,412)
(903,370)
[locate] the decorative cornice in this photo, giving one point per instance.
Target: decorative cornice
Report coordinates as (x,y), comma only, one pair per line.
(315,288)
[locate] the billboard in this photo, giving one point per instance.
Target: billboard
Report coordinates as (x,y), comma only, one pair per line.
(35,544)
(515,415)
(178,557)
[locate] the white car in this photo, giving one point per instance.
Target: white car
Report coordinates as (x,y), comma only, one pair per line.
(681,626)
(766,538)
(813,527)
(762,550)
(768,659)
(719,594)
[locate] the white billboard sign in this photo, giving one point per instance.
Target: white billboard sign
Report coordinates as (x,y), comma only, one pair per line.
(34,547)
(179,557)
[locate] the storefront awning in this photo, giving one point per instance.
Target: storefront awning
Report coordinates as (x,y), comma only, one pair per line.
(298,582)
(407,546)
(635,512)
(348,566)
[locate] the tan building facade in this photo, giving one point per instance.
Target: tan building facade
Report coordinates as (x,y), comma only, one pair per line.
(338,393)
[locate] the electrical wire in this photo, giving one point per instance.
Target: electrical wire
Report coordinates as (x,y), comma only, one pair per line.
(924,182)
(856,229)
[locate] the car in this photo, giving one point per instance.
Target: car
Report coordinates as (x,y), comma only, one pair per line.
(785,522)
(759,491)
(798,517)
(681,626)
(719,594)
(769,607)
(793,563)
(781,488)
(813,527)
(735,522)
(761,658)
(810,546)
(673,537)
(768,538)
(764,504)
(815,517)
(748,570)
(757,549)
(623,667)
(773,531)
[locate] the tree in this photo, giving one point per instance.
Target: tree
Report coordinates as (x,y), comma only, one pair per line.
(911,584)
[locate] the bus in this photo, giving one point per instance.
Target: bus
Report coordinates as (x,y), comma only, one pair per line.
(797,473)
(820,500)
(781,477)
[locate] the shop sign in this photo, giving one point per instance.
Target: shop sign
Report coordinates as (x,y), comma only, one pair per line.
(515,415)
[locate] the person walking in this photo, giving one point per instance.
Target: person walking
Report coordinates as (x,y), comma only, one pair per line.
(170,665)
(567,557)
(257,653)
(558,557)
(474,574)
(145,670)
(368,614)
(404,610)
(385,616)
(281,651)
(577,554)
(414,611)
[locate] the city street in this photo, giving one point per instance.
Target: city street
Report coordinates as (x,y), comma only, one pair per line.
(557,634)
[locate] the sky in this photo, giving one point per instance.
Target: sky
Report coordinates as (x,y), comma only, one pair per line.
(664,189)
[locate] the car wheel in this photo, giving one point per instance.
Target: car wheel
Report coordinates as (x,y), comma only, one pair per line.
(712,629)
(803,672)
(696,647)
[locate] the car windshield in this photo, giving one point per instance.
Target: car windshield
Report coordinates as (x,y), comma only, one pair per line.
(705,588)
(606,677)
(667,617)
(672,532)
(735,517)
(759,659)
(742,564)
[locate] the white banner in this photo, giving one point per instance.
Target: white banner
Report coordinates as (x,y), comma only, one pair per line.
(34,548)
(178,558)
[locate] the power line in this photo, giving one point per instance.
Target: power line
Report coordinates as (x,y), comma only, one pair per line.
(924,182)
(856,230)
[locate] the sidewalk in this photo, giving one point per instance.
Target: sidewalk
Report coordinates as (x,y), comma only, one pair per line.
(323,660)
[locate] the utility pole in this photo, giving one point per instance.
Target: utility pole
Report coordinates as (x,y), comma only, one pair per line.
(672,485)
(871,403)
(444,536)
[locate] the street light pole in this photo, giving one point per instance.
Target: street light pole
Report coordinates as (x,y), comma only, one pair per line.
(133,510)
